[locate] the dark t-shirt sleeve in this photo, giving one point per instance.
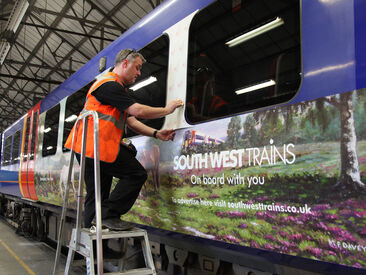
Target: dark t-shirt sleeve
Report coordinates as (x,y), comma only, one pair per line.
(113,93)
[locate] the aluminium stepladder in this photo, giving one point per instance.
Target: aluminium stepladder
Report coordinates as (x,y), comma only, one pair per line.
(82,239)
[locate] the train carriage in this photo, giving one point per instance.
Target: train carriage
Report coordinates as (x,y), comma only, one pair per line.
(275,100)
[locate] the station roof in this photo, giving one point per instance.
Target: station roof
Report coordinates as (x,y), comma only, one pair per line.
(53,40)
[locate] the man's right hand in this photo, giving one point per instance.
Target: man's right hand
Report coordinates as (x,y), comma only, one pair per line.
(173,104)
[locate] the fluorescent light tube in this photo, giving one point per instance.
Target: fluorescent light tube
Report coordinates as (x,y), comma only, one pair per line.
(143,83)
(49,147)
(4,49)
(258,86)
(253,33)
(47,130)
(17,15)
(71,118)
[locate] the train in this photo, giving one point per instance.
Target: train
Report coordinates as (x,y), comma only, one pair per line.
(274,180)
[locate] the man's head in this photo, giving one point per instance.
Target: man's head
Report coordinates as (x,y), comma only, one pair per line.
(128,66)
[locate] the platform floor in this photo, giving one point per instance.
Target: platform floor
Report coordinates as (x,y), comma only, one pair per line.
(22,256)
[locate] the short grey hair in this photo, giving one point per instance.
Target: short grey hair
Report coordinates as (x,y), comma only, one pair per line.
(128,54)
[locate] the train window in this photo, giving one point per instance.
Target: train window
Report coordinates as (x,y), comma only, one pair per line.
(16,144)
(155,69)
(34,133)
(50,131)
(25,152)
(74,105)
(242,59)
(7,150)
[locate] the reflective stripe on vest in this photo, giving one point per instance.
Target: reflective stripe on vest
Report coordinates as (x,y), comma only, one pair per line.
(111,125)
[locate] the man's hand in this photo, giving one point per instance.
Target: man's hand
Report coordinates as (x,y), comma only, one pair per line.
(173,104)
(165,134)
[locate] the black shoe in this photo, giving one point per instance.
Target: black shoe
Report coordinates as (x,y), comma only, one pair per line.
(115,224)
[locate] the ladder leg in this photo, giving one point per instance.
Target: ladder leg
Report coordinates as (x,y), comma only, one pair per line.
(63,214)
(90,260)
(122,261)
(145,244)
(70,259)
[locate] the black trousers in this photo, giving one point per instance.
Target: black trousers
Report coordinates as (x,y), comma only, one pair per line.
(131,174)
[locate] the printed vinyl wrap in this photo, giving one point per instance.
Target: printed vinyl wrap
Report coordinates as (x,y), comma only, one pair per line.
(290,180)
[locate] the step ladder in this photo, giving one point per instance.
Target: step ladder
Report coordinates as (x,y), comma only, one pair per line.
(82,239)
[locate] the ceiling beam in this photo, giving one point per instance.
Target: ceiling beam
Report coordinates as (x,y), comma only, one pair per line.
(63,31)
(40,10)
(31,79)
(42,66)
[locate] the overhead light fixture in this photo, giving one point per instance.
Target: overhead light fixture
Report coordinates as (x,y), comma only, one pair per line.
(4,49)
(143,83)
(11,27)
(71,118)
(47,130)
(258,86)
(17,15)
(253,33)
(49,147)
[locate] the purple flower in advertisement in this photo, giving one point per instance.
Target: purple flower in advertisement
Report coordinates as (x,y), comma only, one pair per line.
(269,246)
(320,207)
(317,252)
(274,228)
(362,232)
(285,243)
(321,226)
(192,195)
(264,198)
(357,265)
(358,214)
(231,238)
(220,214)
(332,253)
(254,244)
(342,234)
(283,234)
(295,237)
(214,196)
(269,237)
(347,213)
(288,219)
(243,226)
(330,217)
(236,214)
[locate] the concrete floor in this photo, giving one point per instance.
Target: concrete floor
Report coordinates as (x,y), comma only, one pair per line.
(22,256)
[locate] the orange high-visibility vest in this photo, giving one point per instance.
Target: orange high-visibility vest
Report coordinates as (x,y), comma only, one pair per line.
(111,125)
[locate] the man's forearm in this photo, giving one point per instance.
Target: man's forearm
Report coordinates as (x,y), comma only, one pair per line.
(139,127)
(147,112)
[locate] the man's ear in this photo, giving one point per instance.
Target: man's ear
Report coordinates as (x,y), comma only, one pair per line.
(124,63)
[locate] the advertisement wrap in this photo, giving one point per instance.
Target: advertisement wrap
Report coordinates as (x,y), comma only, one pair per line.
(289,180)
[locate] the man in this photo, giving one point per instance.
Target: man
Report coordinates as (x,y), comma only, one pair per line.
(108,96)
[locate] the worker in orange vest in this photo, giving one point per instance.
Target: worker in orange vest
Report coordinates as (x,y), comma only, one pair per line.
(115,107)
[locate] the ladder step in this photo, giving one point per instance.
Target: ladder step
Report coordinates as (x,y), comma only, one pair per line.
(139,271)
(135,232)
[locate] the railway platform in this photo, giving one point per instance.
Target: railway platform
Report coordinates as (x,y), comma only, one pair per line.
(24,256)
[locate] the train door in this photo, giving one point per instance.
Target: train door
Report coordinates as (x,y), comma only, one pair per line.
(28,153)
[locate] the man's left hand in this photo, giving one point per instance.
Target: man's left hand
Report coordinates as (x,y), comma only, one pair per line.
(166,134)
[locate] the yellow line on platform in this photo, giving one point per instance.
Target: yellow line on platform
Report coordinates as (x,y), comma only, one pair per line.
(17,258)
